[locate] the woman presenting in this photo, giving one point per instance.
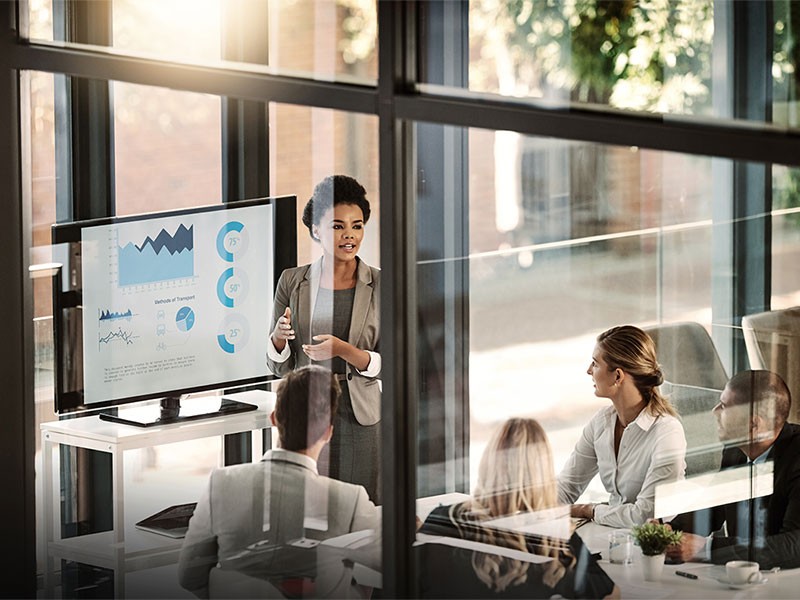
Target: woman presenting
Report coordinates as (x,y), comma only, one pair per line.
(635,444)
(328,313)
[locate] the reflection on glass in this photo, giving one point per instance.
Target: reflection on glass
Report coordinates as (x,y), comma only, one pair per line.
(277,527)
(786,57)
(749,504)
(658,56)
(566,240)
(166,149)
(41,19)
(176,29)
(654,56)
(509,538)
(785,237)
(562,240)
(325,39)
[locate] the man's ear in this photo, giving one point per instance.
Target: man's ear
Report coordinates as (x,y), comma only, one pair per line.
(272,419)
(758,423)
(328,434)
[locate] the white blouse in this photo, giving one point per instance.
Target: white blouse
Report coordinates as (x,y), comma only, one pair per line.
(651,452)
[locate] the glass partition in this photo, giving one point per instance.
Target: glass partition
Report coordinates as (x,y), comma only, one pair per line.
(166,148)
(540,246)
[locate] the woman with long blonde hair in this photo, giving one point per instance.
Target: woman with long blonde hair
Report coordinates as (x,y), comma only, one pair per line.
(515,476)
(636,444)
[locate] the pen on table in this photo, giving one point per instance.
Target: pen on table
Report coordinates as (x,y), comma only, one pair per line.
(685,574)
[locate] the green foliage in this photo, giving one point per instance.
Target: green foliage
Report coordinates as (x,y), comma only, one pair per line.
(786,191)
(637,54)
(653,538)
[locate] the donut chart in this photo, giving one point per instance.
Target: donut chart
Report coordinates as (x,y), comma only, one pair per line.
(232,287)
(233,333)
(232,241)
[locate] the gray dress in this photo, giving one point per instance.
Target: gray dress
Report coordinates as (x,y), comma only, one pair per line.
(354,452)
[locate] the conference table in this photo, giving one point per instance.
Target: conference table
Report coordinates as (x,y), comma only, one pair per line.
(630,579)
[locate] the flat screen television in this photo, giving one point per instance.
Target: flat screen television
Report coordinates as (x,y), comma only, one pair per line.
(162,305)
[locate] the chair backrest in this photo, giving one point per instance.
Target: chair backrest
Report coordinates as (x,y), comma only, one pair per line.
(694,378)
(772,339)
(687,355)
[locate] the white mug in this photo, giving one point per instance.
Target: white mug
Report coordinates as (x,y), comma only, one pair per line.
(741,572)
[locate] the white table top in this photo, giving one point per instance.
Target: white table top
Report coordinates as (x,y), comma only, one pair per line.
(785,584)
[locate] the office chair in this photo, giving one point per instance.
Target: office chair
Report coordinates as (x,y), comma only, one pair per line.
(694,377)
(772,339)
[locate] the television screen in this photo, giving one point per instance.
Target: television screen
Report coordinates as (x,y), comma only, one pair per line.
(164,304)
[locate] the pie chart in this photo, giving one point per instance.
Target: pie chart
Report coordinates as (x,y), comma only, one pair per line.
(185,319)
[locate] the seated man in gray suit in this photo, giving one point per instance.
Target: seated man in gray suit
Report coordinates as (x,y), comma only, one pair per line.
(751,416)
(264,519)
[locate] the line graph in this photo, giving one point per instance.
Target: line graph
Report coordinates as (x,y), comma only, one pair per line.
(165,257)
(120,334)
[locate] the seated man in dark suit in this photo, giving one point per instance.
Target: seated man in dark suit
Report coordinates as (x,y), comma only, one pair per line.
(751,416)
(260,519)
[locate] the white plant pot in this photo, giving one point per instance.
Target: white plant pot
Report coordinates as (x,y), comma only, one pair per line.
(652,566)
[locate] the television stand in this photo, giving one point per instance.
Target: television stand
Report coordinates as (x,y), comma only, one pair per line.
(169,410)
(126,549)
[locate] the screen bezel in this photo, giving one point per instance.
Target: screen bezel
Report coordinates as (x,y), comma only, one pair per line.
(284,225)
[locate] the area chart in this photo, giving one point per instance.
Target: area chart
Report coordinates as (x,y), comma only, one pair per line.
(165,257)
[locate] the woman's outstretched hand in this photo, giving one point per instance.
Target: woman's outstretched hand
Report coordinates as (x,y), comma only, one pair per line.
(329,346)
(283,330)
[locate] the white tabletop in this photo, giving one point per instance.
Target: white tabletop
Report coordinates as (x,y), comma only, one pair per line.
(785,584)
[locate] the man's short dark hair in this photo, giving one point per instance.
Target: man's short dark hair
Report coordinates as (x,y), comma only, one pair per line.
(766,390)
(306,405)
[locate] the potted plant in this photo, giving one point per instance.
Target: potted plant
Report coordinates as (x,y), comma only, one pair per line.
(653,539)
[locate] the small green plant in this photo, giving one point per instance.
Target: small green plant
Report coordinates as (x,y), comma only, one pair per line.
(653,538)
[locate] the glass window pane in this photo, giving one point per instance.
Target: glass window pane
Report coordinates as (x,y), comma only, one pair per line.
(320,40)
(325,39)
(176,29)
(773,337)
(785,237)
(671,57)
(655,57)
(786,57)
(308,144)
(41,19)
(166,148)
(560,242)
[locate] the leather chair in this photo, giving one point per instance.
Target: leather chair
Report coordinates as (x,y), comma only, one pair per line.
(772,339)
(694,377)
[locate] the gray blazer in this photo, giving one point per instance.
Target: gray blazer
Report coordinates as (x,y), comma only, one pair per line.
(297,289)
(280,499)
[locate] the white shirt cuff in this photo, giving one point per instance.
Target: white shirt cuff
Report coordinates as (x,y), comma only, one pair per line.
(704,554)
(276,356)
(374,366)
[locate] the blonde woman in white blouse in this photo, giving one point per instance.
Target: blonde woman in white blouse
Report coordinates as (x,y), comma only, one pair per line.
(636,444)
